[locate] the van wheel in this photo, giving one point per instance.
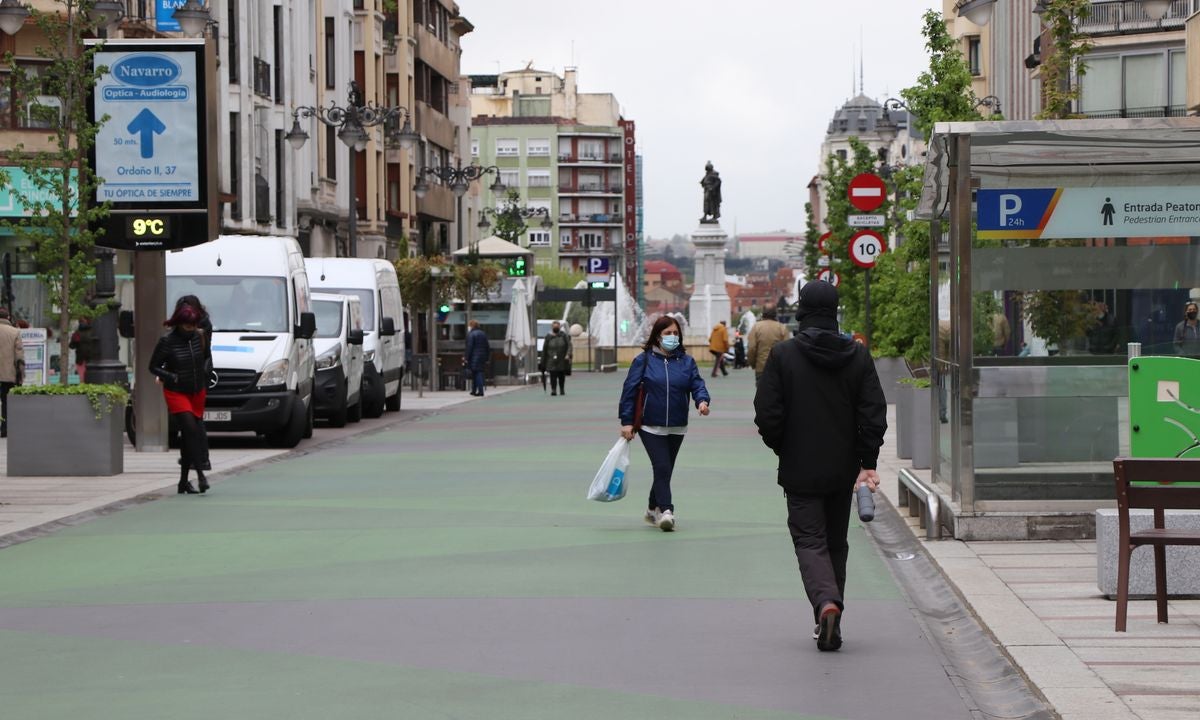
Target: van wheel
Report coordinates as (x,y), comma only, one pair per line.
(338,417)
(354,412)
(312,416)
(293,432)
(393,403)
(373,400)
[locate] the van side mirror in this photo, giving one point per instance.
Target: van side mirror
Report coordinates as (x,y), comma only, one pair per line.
(307,327)
(387,326)
(125,323)
(355,337)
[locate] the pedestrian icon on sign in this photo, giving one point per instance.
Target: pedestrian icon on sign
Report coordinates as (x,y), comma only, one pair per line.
(1107,211)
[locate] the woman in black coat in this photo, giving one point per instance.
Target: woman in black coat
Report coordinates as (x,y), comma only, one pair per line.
(182,363)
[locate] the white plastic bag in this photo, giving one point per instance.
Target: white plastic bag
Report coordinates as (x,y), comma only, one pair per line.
(610,483)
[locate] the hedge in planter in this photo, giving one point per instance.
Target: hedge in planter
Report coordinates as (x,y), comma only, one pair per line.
(66,430)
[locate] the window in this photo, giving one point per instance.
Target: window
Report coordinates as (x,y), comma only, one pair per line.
(331,152)
(1144,86)
(475,147)
(279,41)
(330,55)
(231,31)
(235,166)
(1101,85)
(973,55)
(538,178)
(1141,85)
(510,178)
(1178,79)
(280,195)
(539,238)
(593,241)
(591,149)
(537,146)
(507,146)
(565,239)
(16,99)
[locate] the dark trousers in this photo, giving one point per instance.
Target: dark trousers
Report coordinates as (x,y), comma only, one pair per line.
(4,388)
(718,363)
(477,382)
(818,524)
(662,449)
(558,382)
(193,441)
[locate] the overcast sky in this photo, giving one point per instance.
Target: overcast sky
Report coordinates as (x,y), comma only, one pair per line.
(748,84)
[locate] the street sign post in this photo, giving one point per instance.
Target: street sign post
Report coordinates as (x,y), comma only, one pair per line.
(865,248)
(154,155)
(867,191)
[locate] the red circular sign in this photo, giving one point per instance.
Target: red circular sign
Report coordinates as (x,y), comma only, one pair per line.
(821,242)
(830,277)
(867,191)
(865,248)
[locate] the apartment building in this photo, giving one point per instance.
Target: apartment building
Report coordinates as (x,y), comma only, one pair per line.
(572,153)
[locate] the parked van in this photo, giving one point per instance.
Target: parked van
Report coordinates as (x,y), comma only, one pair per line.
(257,297)
(374,283)
(339,357)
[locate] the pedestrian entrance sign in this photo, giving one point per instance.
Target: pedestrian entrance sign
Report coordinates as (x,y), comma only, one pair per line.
(865,248)
(152,156)
(1084,212)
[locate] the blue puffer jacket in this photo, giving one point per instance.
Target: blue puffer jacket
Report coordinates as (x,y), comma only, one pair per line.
(478,350)
(670,380)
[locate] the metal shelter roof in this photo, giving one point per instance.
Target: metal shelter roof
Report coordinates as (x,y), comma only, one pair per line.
(1065,153)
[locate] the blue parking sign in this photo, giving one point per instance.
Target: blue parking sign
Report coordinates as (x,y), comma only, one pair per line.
(597,266)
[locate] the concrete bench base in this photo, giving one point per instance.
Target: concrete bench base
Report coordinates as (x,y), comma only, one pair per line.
(1183,563)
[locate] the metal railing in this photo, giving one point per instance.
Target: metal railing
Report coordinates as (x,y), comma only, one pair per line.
(1142,112)
(1129,16)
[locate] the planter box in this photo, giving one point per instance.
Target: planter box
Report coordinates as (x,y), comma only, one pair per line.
(903,393)
(890,369)
(1183,563)
(921,428)
(60,435)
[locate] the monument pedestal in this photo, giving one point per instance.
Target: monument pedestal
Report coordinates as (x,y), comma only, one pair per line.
(709,303)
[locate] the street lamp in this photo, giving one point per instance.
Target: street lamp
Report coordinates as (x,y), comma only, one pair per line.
(12,16)
(991,102)
(525,213)
(458,179)
(193,18)
(352,122)
(977,11)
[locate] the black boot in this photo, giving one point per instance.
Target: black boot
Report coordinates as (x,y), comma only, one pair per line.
(203,481)
(185,487)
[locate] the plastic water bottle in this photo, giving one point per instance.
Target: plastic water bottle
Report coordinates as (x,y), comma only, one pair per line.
(866,504)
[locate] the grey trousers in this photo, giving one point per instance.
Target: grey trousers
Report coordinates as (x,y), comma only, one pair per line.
(818,525)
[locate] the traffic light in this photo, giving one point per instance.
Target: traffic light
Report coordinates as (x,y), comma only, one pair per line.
(516,267)
(597,284)
(443,311)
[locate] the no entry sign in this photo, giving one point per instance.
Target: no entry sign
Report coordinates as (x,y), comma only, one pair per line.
(865,248)
(866,191)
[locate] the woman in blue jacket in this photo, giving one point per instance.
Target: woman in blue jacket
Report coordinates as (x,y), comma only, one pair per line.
(669,377)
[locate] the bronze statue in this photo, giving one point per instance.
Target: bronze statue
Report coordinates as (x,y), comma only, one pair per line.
(712,194)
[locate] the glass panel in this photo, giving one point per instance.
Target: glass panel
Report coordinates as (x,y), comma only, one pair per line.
(1144,87)
(366,297)
(329,318)
(237,304)
(1102,85)
(1178,79)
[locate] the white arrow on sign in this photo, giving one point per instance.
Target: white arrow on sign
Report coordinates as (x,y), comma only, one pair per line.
(866,220)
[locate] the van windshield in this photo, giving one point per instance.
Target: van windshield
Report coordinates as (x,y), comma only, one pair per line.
(236,304)
(329,318)
(366,297)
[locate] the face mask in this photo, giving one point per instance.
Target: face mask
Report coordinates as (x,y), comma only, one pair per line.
(669,342)
(555,330)
(1191,315)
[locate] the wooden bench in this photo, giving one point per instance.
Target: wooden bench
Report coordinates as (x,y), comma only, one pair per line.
(1158,485)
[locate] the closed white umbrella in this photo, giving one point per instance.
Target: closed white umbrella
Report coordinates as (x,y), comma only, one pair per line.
(518,337)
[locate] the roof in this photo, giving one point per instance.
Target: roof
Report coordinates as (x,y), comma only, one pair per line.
(660,267)
(493,247)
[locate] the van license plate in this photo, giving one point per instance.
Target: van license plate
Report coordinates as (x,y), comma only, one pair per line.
(217,416)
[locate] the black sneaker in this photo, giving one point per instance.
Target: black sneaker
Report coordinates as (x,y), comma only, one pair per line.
(829,633)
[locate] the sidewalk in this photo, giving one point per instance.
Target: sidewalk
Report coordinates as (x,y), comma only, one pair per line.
(1039,600)
(28,503)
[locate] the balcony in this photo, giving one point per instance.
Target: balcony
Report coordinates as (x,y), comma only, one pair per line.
(590,188)
(262,78)
(591,219)
(1127,17)
(1142,112)
(589,159)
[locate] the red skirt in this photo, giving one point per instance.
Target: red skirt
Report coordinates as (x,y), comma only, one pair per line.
(178,402)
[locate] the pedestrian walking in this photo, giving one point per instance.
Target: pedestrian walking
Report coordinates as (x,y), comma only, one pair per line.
(84,342)
(739,351)
(12,365)
(654,406)
(476,357)
(764,336)
(182,362)
(556,358)
(1187,332)
(821,409)
(718,345)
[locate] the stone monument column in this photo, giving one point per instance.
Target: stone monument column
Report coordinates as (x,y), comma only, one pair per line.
(709,303)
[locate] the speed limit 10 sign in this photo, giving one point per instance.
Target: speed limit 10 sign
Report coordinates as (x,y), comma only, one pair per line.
(830,277)
(865,248)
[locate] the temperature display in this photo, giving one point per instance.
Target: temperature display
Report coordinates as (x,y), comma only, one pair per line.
(150,227)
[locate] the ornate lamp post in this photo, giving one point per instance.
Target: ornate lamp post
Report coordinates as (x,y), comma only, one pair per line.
(525,213)
(458,179)
(352,122)
(991,102)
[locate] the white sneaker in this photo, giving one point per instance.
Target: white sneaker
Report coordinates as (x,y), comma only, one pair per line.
(666,521)
(651,517)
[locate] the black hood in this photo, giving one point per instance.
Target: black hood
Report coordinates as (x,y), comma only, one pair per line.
(826,349)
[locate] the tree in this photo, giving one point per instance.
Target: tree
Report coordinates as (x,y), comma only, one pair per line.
(61,185)
(1068,47)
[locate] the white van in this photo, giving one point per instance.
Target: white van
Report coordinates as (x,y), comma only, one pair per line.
(374,283)
(257,297)
(339,356)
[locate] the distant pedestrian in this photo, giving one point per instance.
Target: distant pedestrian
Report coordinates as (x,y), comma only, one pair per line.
(665,377)
(820,408)
(557,357)
(476,357)
(84,342)
(739,351)
(182,362)
(1187,332)
(12,365)
(718,345)
(764,336)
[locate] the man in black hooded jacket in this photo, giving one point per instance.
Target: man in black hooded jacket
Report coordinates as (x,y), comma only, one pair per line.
(821,409)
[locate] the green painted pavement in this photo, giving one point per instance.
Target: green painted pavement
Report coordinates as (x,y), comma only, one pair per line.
(471,518)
